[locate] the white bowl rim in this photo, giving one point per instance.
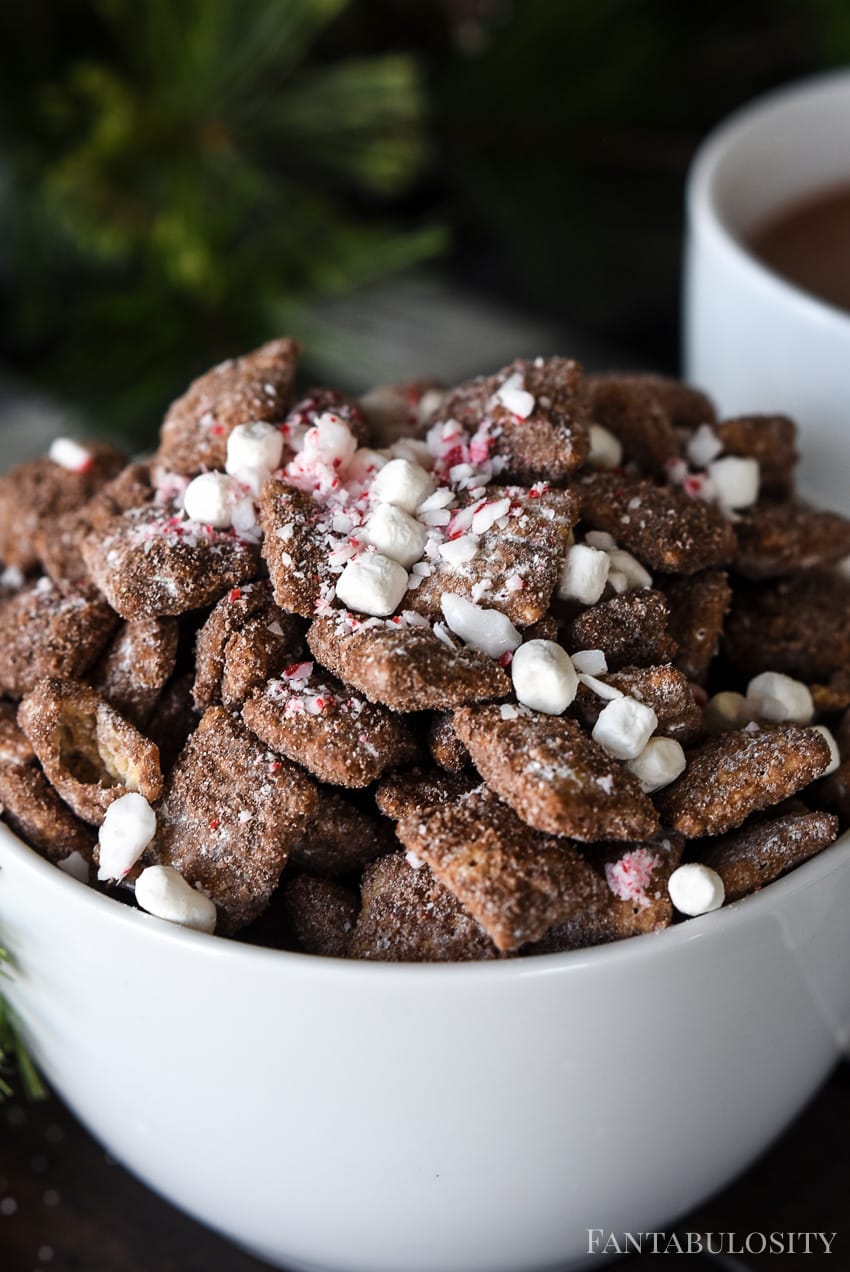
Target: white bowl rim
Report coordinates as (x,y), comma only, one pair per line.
(648,945)
(701,191)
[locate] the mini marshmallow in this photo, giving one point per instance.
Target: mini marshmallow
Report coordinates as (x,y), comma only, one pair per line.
(696,889)
(835,754)
(372,584)
(210,499)
(486,630)
(660,762)
(330,441)
(591,661)
(703,447)
(627,574)
(601,539)
(779,698)
(69,454)
(516,398)
(624,727)
(404,484)
(735,481)
(544,677)
(726,710)
(584,574)
(606,450)
(255,447)
(396,534)
(126,830)
(76,866)
(162,891)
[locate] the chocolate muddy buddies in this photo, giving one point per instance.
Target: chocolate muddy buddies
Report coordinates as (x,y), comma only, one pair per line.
(537,662)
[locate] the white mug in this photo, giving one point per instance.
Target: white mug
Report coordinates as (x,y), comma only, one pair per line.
(753,340)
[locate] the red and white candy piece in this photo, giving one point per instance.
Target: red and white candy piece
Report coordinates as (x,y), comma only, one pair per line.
(372,583)
(403,483)
(162,891)
(396,534)
(70,455)
(584,574)
(660,762)
(779,698)
(126,830)
(543,676)
(624,727)
(696,889)
(486,630)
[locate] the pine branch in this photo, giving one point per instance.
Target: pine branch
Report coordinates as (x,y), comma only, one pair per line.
(14,1058)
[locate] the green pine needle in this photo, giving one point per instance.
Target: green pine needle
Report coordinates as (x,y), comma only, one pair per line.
(14,1058)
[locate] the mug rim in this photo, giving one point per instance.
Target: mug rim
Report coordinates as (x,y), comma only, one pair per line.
(706,217)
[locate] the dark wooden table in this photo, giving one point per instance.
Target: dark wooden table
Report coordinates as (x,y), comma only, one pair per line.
(66,1206)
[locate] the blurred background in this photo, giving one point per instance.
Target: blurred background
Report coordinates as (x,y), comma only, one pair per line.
(406,185)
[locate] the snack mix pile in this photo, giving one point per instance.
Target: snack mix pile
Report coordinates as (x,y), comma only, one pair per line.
(525,665)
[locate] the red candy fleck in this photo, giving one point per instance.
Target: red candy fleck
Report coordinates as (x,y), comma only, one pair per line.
(214,824)
(505,659)
(234,594)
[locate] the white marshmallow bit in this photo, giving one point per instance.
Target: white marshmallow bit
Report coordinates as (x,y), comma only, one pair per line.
(726,710)
(591,661)
(624,727)
(76,866)
(703,447)
(834,753)
(404,484)
(584,574)
(780,699)
(330,441)
(735,481)
(162,891)
(254,448)
(660,762)
(486,630)
(459,551)
(210,500)
(69,454)
(396,534)
(600,539)
(600,687)
(372,584)
(544,677)
(126,831)
(627,573)
(516,398)
(696,889)
(605,449)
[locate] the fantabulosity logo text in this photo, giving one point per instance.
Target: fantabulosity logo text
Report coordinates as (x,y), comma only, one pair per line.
(602,1241)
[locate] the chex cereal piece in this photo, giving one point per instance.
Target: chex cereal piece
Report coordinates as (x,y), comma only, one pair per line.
(34,494)
(799,625)
(172,720)
(769,439)
(46,633)
(342,838)
(59,543)
(663,688)
(445,746)
(90,753)
(319,913)
(15,747)
(230,813)
(257,386)
(33,810)
(644,411)
(517,540)
(630,897)
(760,852)
(133,671)
(515,882)
(150,561)
(408,916)
(410,791)
(698,605)
(323,725)
(295,547)
(531,415)
(664,527)
(631,630)
(405,667)
(833,696)
(245,641)
(556,778)
(739,773)
(782,538)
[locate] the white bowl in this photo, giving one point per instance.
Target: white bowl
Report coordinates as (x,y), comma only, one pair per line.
(401,1118)
(752,339)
